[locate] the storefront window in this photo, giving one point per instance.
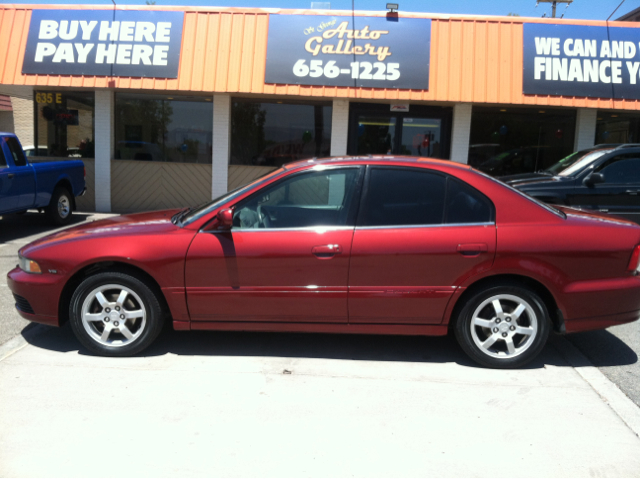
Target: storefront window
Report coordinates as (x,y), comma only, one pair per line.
(274,133)
(163,128)
(421,131)
(507,141)
(64,125)
(617,127)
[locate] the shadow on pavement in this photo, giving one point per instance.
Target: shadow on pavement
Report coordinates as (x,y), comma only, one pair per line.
(14,227)
(419,349)
(603,348)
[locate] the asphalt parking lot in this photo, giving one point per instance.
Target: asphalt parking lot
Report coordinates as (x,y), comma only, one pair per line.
(249,404)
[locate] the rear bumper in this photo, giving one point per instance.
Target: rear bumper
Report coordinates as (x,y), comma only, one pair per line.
(39,291)
(84,190)
(598,304)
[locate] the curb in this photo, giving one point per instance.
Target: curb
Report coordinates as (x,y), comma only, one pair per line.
(610,393)
(18,342)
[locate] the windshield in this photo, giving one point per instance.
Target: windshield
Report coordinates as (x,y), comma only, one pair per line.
(200,211)
(566,162)
(583,163)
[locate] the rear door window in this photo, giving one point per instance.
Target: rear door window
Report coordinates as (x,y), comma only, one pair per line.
(419,197)
(466,205)
(403,197)
(16,151)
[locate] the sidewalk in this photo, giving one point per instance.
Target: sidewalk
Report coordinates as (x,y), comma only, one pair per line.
(239,404)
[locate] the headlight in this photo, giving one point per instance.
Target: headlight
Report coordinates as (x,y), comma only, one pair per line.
(29,266)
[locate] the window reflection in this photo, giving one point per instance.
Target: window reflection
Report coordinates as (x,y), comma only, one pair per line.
(507,141)
(155,128)
(617,127)
(275,133)
(64,125)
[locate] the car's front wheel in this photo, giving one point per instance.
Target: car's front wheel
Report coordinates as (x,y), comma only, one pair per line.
(503,326)
(115,314)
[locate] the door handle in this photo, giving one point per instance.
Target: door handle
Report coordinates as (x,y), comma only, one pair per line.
(326,251)
(472,249)
(11,175)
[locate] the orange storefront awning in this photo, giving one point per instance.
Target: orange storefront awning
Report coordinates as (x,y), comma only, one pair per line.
(473,59)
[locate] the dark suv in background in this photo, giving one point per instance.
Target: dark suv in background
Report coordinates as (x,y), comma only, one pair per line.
(604,179)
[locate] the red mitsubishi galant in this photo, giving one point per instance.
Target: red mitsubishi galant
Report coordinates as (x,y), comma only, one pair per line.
(375,245)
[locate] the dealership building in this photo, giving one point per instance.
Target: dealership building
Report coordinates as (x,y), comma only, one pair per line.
(173,106)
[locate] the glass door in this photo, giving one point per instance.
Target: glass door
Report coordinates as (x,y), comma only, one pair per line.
(423,131)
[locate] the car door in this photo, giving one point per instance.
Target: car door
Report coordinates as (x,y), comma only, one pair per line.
(24,181)
(8,200)
(620,192)
(286,258)
(419,234)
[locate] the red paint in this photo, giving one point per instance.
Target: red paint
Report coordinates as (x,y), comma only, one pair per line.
(352,280)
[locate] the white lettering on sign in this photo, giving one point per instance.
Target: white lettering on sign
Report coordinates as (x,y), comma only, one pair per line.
(83,51)
(109,31)
(87,28)
(141,53)
(163,32)
(121,54)
(44,50)
(160,54)
(48,30)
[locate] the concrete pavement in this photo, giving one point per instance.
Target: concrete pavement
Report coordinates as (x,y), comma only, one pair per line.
(248,404)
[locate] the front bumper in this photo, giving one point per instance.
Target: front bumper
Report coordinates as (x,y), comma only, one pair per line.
(39,291)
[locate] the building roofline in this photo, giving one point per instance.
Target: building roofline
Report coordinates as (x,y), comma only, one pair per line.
(289,11)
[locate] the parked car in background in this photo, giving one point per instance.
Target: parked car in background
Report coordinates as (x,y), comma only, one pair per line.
(527,159)
(605,180)
(50,187)
(556,168)
(372,245)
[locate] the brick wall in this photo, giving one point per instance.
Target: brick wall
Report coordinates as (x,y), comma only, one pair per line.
(339,127)
(23,120)
(461,132)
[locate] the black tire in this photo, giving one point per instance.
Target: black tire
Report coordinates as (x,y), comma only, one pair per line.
(140,297)
(488,325)
(60,207)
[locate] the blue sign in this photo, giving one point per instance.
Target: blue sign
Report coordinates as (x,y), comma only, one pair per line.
(580,60)
(374,52)
(104,43)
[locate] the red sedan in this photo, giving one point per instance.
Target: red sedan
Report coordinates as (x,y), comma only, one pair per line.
(376,245)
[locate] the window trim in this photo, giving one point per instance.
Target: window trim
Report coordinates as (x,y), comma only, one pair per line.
(447,177)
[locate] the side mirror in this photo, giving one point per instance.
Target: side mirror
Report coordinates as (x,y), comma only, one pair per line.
(593,179)
(225,218)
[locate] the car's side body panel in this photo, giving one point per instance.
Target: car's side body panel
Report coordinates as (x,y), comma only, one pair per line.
(408,275)
(269,275)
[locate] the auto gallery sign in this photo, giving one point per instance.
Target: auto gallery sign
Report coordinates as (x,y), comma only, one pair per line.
(579,60)
(104,43)
(376,52)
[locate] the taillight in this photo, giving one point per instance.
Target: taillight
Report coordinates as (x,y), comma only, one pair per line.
(85,172)
(634,262)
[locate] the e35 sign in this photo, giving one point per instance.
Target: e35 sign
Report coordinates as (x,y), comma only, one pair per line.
(104,43)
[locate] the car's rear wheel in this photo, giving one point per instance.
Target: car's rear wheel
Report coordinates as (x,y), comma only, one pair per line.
(60,207)
(503,326)
(115,314)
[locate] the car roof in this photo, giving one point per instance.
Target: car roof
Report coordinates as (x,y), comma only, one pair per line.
(398,160)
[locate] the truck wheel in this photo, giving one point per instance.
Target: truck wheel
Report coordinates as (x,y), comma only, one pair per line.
(60,207)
